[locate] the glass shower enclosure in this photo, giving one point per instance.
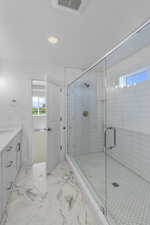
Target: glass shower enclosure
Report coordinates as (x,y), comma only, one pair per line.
(109,130)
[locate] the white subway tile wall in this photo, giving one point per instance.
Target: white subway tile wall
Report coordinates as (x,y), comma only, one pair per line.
(87,133)
(128,109)
(83,130)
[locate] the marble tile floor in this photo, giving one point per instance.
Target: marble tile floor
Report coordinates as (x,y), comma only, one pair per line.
(56,199)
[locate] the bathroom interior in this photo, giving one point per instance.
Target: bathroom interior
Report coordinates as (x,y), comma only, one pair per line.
(94,118)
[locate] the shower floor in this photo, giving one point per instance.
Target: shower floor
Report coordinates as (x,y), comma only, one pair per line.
(128,203)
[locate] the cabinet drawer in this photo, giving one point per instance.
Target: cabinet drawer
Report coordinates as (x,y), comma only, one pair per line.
(9,158)
(10,164)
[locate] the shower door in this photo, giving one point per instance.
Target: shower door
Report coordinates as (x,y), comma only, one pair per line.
(86,125)
(128,132)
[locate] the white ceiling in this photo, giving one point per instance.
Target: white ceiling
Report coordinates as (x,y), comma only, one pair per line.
(26,24)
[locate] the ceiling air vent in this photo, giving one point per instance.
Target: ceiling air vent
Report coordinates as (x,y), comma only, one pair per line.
(70,5)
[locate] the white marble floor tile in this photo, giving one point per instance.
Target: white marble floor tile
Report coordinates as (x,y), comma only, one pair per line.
(56,199)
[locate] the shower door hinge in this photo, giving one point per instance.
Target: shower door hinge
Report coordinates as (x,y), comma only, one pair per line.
(61,147)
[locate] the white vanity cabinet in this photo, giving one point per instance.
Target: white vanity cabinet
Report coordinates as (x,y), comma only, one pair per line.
(10,166)
(18,152)
(0,186)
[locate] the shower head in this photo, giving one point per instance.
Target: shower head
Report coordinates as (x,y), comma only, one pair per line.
(87,85)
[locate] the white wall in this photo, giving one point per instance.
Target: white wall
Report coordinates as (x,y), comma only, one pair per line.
(16,86)
(39,122)
(70,74)
(15,83)
(128,109)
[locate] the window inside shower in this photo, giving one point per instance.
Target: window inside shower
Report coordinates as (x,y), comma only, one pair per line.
(134,79)
(109,132)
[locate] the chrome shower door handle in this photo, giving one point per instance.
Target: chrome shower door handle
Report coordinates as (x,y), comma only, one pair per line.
(105,138)
(114,137)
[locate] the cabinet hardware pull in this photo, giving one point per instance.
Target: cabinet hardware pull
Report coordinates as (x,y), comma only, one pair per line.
(10,186)
(9,148)
(18,147)
(9,164)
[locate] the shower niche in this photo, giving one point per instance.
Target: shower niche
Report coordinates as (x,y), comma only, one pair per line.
(109,132)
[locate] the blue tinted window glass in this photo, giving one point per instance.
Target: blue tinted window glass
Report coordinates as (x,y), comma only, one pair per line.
(138,77)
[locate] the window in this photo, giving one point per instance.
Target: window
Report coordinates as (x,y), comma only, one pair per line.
(132,80)
(38,105)
(137,78)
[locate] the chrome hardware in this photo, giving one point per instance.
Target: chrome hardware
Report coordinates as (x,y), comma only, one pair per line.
(9,148)
(102,210)
(9,164)
(10,186)
(105,137)
(18,147)
(115,139)
(48,129)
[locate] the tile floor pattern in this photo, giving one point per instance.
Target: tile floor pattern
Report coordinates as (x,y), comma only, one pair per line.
(128,204)
(56,199)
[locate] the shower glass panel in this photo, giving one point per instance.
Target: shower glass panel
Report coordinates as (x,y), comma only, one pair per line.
(86,116)
(109,130)
(128,113)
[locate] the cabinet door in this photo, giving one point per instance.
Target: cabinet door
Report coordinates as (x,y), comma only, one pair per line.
(4,182)
(10,164)
(18,151)
(18,155)
(8,171)
(1,193)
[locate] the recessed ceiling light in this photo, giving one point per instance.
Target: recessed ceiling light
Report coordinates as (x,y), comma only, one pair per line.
(53,40)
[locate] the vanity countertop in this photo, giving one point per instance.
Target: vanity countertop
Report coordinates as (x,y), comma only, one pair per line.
(6,135)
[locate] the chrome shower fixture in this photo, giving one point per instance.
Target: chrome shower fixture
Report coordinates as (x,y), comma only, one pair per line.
(87,85)
(85,113)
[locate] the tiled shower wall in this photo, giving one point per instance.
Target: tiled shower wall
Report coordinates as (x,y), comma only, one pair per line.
(100,110)
(86,133)
(82,129)
(128,109)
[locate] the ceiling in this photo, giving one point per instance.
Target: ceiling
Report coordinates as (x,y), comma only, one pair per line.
(26,24)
